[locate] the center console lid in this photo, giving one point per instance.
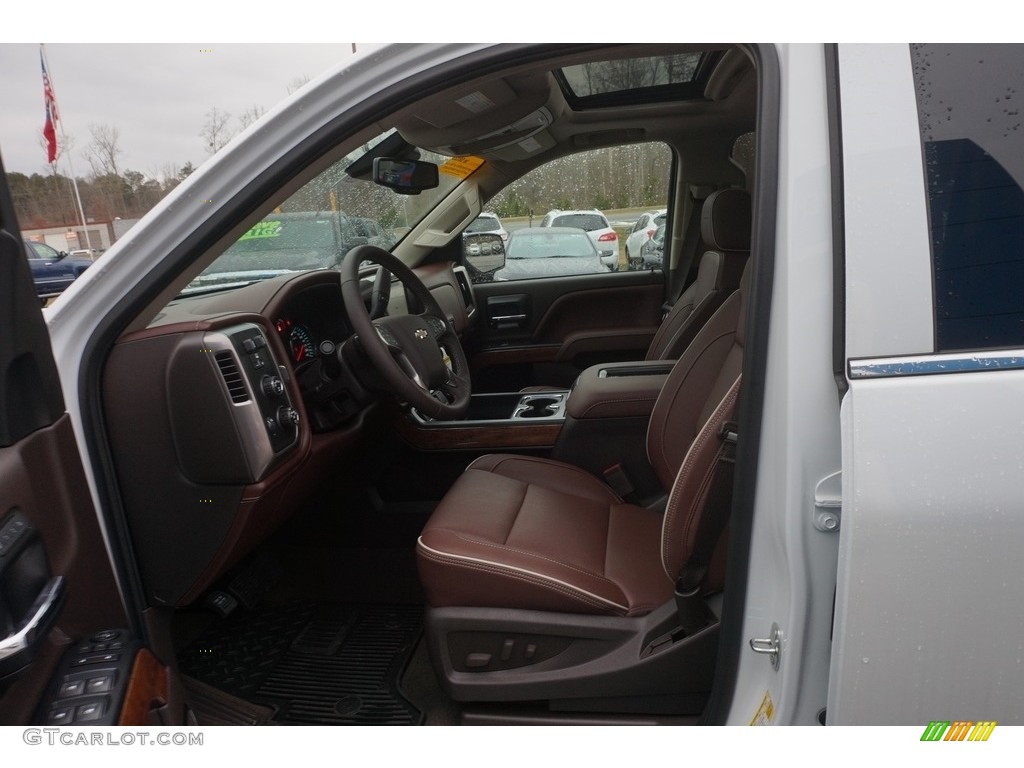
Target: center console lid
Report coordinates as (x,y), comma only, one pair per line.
(617,390)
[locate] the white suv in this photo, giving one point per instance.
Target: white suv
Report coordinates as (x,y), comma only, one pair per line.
(596,225)
(487,223)
(641,234)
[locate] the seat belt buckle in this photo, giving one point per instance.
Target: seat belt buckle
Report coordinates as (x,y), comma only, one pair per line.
(729,432)
(618,480)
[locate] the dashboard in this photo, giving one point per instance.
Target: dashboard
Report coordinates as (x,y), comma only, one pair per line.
(230,409)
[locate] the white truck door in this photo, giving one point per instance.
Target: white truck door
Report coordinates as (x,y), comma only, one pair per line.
(929,621)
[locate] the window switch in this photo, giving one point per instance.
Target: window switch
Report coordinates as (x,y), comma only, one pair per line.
(99,684)
(72,688)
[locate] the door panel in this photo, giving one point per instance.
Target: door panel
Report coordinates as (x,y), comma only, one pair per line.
(545,331)
(58,591)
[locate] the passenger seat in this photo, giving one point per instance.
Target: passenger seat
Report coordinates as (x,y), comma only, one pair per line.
(725,228)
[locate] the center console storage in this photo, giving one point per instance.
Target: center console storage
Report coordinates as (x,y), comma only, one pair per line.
(507,420)
(605,430)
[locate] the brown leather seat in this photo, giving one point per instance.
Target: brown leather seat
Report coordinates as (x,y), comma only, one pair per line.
(534,534)
(725,228)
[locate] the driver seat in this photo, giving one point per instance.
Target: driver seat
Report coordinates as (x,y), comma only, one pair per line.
(542,583)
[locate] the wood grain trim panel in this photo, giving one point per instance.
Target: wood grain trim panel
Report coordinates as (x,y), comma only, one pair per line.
(484,438)
(147,690)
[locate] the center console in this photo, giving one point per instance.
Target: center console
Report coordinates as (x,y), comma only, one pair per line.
(605,429)
(506,420)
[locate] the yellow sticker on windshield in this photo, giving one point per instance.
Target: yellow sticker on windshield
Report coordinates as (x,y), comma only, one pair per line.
(263,229)
(461,167)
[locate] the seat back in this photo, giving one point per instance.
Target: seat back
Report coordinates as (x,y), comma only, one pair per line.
(725,227)
(683,443)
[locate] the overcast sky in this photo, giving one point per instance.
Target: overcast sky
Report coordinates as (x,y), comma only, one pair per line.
(156,95)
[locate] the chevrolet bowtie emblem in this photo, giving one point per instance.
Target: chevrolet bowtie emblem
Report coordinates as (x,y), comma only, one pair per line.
(421,333)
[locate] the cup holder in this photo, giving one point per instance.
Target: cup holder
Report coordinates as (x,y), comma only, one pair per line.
(534,407)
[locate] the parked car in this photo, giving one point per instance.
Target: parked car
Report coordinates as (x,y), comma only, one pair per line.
(595,224)
(52,270)
(297,500)
(549,252)
(653,250)
(643,230)
(487,222)
(287,242)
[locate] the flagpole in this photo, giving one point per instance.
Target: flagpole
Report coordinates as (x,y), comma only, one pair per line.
(64,140)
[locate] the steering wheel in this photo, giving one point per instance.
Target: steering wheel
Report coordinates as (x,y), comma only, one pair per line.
(419,356)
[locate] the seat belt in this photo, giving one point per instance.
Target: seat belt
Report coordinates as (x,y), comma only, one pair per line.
(692,612)
(691,239)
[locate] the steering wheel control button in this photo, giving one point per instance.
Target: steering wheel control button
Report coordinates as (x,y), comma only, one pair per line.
(436,326)
(386,335)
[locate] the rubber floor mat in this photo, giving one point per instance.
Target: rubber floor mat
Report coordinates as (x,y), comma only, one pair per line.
(314,664)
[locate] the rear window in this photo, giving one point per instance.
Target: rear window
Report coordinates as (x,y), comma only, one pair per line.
(485,224)
(973,140)
(585,221)
(550,246)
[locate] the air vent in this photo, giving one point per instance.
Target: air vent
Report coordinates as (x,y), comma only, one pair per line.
(232,377)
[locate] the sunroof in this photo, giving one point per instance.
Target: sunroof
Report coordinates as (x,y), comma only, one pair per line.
(648,78)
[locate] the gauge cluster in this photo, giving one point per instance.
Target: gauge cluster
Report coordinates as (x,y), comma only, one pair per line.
(310,319)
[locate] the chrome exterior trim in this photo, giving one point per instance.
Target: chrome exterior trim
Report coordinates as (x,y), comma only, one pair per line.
(930,365)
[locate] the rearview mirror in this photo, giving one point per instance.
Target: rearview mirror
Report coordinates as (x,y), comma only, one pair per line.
(407,177)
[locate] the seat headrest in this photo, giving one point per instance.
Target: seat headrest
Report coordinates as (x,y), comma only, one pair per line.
(725,220)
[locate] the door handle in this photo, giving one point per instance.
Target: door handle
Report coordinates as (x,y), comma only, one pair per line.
(18,648)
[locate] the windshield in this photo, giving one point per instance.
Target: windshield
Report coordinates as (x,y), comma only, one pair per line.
(333,213)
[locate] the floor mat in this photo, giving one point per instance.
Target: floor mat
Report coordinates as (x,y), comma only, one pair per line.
(315,664)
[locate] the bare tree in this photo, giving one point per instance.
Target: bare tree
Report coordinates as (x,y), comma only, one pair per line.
(250,116)
(103,151)
(215,133)
(297,83)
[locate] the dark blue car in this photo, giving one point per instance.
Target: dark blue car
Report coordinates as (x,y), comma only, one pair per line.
(52,270)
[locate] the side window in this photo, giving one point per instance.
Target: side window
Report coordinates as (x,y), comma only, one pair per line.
(973,138)
(41,252)
(588,203)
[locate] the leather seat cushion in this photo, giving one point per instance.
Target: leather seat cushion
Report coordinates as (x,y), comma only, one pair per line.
(535,534)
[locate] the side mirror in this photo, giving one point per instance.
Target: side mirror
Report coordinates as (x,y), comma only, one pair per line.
(407,177)
(484,253)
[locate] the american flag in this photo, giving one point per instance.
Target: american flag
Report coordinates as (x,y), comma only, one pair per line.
(49,127)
